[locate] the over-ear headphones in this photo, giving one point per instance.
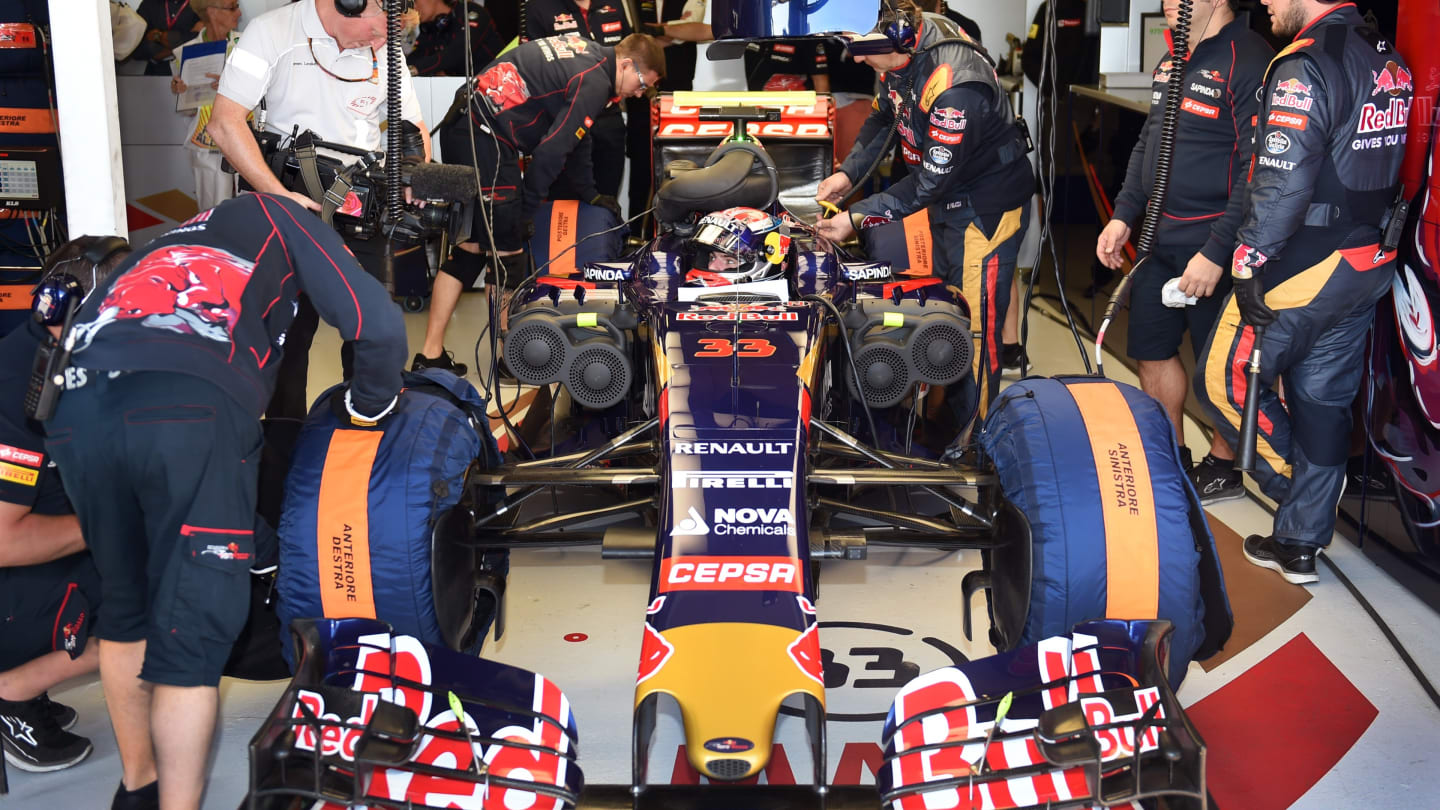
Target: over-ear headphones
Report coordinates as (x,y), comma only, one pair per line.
(58,292)
(351,8)
(899,28)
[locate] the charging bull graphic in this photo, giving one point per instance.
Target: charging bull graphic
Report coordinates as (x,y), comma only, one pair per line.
(190,289)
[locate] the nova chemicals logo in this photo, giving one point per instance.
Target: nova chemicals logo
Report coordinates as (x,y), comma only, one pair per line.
(693,526)
(688,479)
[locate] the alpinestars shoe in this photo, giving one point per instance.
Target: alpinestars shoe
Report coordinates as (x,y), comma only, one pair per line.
(65,716)
(33,741)
(446,360)
(1216,480)
(1295,563)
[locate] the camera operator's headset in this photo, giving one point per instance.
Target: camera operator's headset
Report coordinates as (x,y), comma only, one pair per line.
(60,293)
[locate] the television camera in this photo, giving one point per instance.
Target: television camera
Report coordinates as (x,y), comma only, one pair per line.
(354,190)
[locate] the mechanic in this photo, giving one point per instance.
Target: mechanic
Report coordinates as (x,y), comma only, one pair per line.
(158,440)
(440,46)
(49,589)
(678,25)
(1308,265)
(319,65)
(539,99)
(967,162)
(1196,232)
(608,25)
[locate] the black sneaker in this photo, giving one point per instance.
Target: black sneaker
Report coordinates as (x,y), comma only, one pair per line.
(1012,356)
(446,360)
(143,798)
(1295,563)
(34,742)
(65,716)
(1216,480)
(1187,461)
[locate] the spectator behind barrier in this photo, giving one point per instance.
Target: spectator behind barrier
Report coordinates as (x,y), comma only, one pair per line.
(49,589)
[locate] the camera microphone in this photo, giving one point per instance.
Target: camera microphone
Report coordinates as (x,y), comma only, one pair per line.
(441,181)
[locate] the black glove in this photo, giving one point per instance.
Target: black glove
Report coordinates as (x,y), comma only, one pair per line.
(609,203)
(1250,298)
(527,229)
(349,417)
(653,29)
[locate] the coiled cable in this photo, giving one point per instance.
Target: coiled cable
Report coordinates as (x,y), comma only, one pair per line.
(394,130)
(1164,162)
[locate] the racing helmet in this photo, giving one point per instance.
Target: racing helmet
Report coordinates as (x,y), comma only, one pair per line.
(739,245)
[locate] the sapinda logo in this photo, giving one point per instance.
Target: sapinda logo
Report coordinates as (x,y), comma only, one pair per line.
(730,573)
(605,274)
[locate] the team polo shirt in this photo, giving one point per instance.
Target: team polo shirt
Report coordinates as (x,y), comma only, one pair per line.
(273,62)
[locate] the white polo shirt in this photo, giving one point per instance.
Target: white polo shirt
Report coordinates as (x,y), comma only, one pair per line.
(273,61)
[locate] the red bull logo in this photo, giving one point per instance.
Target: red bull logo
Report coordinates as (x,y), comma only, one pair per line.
(655,650)
(805,652)
(190,289)
(1293,86)
(1393,79)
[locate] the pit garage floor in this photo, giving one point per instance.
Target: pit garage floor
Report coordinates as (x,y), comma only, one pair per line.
(1309,706)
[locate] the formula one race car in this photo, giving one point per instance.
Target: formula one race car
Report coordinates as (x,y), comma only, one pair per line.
(735,402)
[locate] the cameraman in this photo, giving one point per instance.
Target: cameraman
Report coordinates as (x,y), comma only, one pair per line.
(319,70)
(539,99)
(158,440)
(49,589)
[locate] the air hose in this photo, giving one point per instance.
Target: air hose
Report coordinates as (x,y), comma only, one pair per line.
(1164,160)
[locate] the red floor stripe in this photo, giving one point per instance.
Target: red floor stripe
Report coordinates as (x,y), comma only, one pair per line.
(1279,727)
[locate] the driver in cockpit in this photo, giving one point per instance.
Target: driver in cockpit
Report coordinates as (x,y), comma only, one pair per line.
(737,246)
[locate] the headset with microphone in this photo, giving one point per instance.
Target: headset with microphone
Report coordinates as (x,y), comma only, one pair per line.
(351,8)
(899,28)
(59,292)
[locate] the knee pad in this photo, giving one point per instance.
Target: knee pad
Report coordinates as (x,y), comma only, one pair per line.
(464,266)
(1323,431)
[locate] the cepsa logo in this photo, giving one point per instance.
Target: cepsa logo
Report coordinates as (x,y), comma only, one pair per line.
(774,129)
(730,573)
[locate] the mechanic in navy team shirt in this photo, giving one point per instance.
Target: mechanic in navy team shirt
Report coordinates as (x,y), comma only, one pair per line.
(539,99)
(605,22)
(49,589)
(440,44)
(158,440)
(968,169)
(1196,233)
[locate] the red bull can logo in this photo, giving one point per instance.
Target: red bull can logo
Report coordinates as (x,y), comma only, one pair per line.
(1393,79)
